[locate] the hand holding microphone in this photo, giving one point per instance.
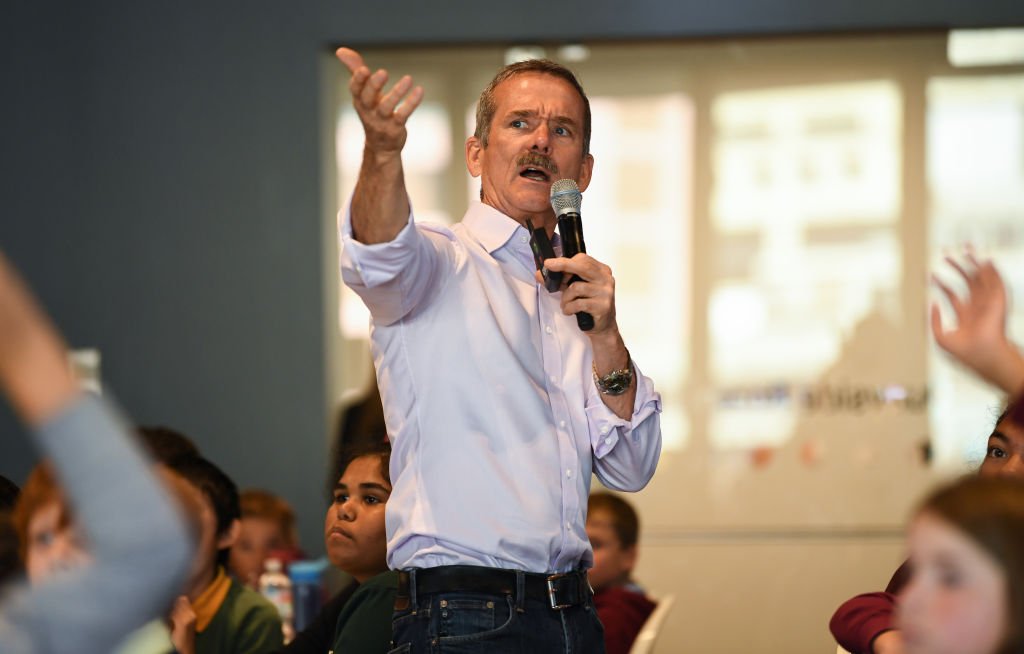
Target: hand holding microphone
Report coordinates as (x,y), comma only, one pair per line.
(566,200)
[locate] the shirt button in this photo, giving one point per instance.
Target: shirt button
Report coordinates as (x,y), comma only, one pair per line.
(604,429)
(568,525)
(552,378)
(548,329)
(561,423)
(523,239)
(609,440)
(568,474)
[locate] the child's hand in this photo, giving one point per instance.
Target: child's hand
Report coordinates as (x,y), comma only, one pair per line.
(979,339)
(183,626)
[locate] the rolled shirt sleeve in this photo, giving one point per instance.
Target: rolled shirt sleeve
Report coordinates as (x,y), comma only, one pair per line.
(626,452)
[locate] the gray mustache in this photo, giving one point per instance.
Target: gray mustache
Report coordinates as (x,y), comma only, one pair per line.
(538,160)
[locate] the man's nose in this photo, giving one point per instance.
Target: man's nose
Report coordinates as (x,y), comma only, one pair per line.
(541,138)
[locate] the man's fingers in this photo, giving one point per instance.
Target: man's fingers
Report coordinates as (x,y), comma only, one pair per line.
(352,59)
(394,96)
(582,264)
(366,89)
(370,95)
(412,101)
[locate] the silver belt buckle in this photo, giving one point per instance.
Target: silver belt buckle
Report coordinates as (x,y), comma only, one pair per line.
(553,592)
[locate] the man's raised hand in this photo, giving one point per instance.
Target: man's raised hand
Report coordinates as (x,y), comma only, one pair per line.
(383,114)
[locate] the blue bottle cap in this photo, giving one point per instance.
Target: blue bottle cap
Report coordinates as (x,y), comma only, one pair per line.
(306,571)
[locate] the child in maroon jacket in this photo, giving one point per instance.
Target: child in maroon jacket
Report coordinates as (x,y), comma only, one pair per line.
(613,527)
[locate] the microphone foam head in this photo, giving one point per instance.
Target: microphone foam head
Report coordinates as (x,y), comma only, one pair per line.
(566,196)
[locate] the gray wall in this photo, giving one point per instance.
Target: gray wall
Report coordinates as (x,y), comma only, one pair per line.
(162,187)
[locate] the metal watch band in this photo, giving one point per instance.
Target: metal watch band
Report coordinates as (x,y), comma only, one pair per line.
(616,382)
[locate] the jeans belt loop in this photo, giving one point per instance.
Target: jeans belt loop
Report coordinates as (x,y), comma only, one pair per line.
(413,600)
(520,591)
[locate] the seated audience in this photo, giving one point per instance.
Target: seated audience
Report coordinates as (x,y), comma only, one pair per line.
(267,525)
(865,623)
(358,618)
(966,593)
(613,529)
(139,547)
(217,615)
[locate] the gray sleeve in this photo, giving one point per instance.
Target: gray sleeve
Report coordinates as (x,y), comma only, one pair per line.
(140,547)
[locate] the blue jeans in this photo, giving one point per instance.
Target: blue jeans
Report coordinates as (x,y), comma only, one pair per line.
(461,622)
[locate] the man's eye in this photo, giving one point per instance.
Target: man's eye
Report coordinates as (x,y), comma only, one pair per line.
(561,131)
(370,499)
(518,123)
(340,498)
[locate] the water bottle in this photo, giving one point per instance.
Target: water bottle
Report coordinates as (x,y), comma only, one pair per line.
(307,591)
(277,587)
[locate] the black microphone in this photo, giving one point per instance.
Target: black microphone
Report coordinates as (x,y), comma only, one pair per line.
(566,200)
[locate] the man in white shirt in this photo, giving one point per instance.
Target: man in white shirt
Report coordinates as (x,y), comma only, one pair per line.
(499,408)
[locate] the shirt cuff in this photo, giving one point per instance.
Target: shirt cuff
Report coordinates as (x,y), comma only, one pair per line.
(606,428)
(378,263)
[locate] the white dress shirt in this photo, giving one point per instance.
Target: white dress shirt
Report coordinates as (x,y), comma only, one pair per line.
(489,400)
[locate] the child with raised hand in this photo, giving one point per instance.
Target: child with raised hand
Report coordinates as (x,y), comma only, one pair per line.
(979,339)
(866,623)
(139,546)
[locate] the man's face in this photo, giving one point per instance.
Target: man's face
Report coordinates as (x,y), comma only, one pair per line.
(52,546)
(956,601)
(613,563)
(257,538)
(536,137)
(354,525)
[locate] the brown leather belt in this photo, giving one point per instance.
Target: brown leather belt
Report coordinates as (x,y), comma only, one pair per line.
(558,590)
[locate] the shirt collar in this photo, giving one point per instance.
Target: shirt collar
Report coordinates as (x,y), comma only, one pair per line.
(490,227)
(209,601)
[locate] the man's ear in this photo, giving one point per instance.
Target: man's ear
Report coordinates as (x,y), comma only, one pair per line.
(230,535)
(586,170)
(474,150)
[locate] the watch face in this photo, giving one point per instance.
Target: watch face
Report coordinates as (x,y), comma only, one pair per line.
(616,383)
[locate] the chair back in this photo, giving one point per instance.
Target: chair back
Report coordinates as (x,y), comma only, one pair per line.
(644,643)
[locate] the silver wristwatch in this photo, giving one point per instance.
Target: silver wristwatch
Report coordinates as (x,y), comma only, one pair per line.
(616,382)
